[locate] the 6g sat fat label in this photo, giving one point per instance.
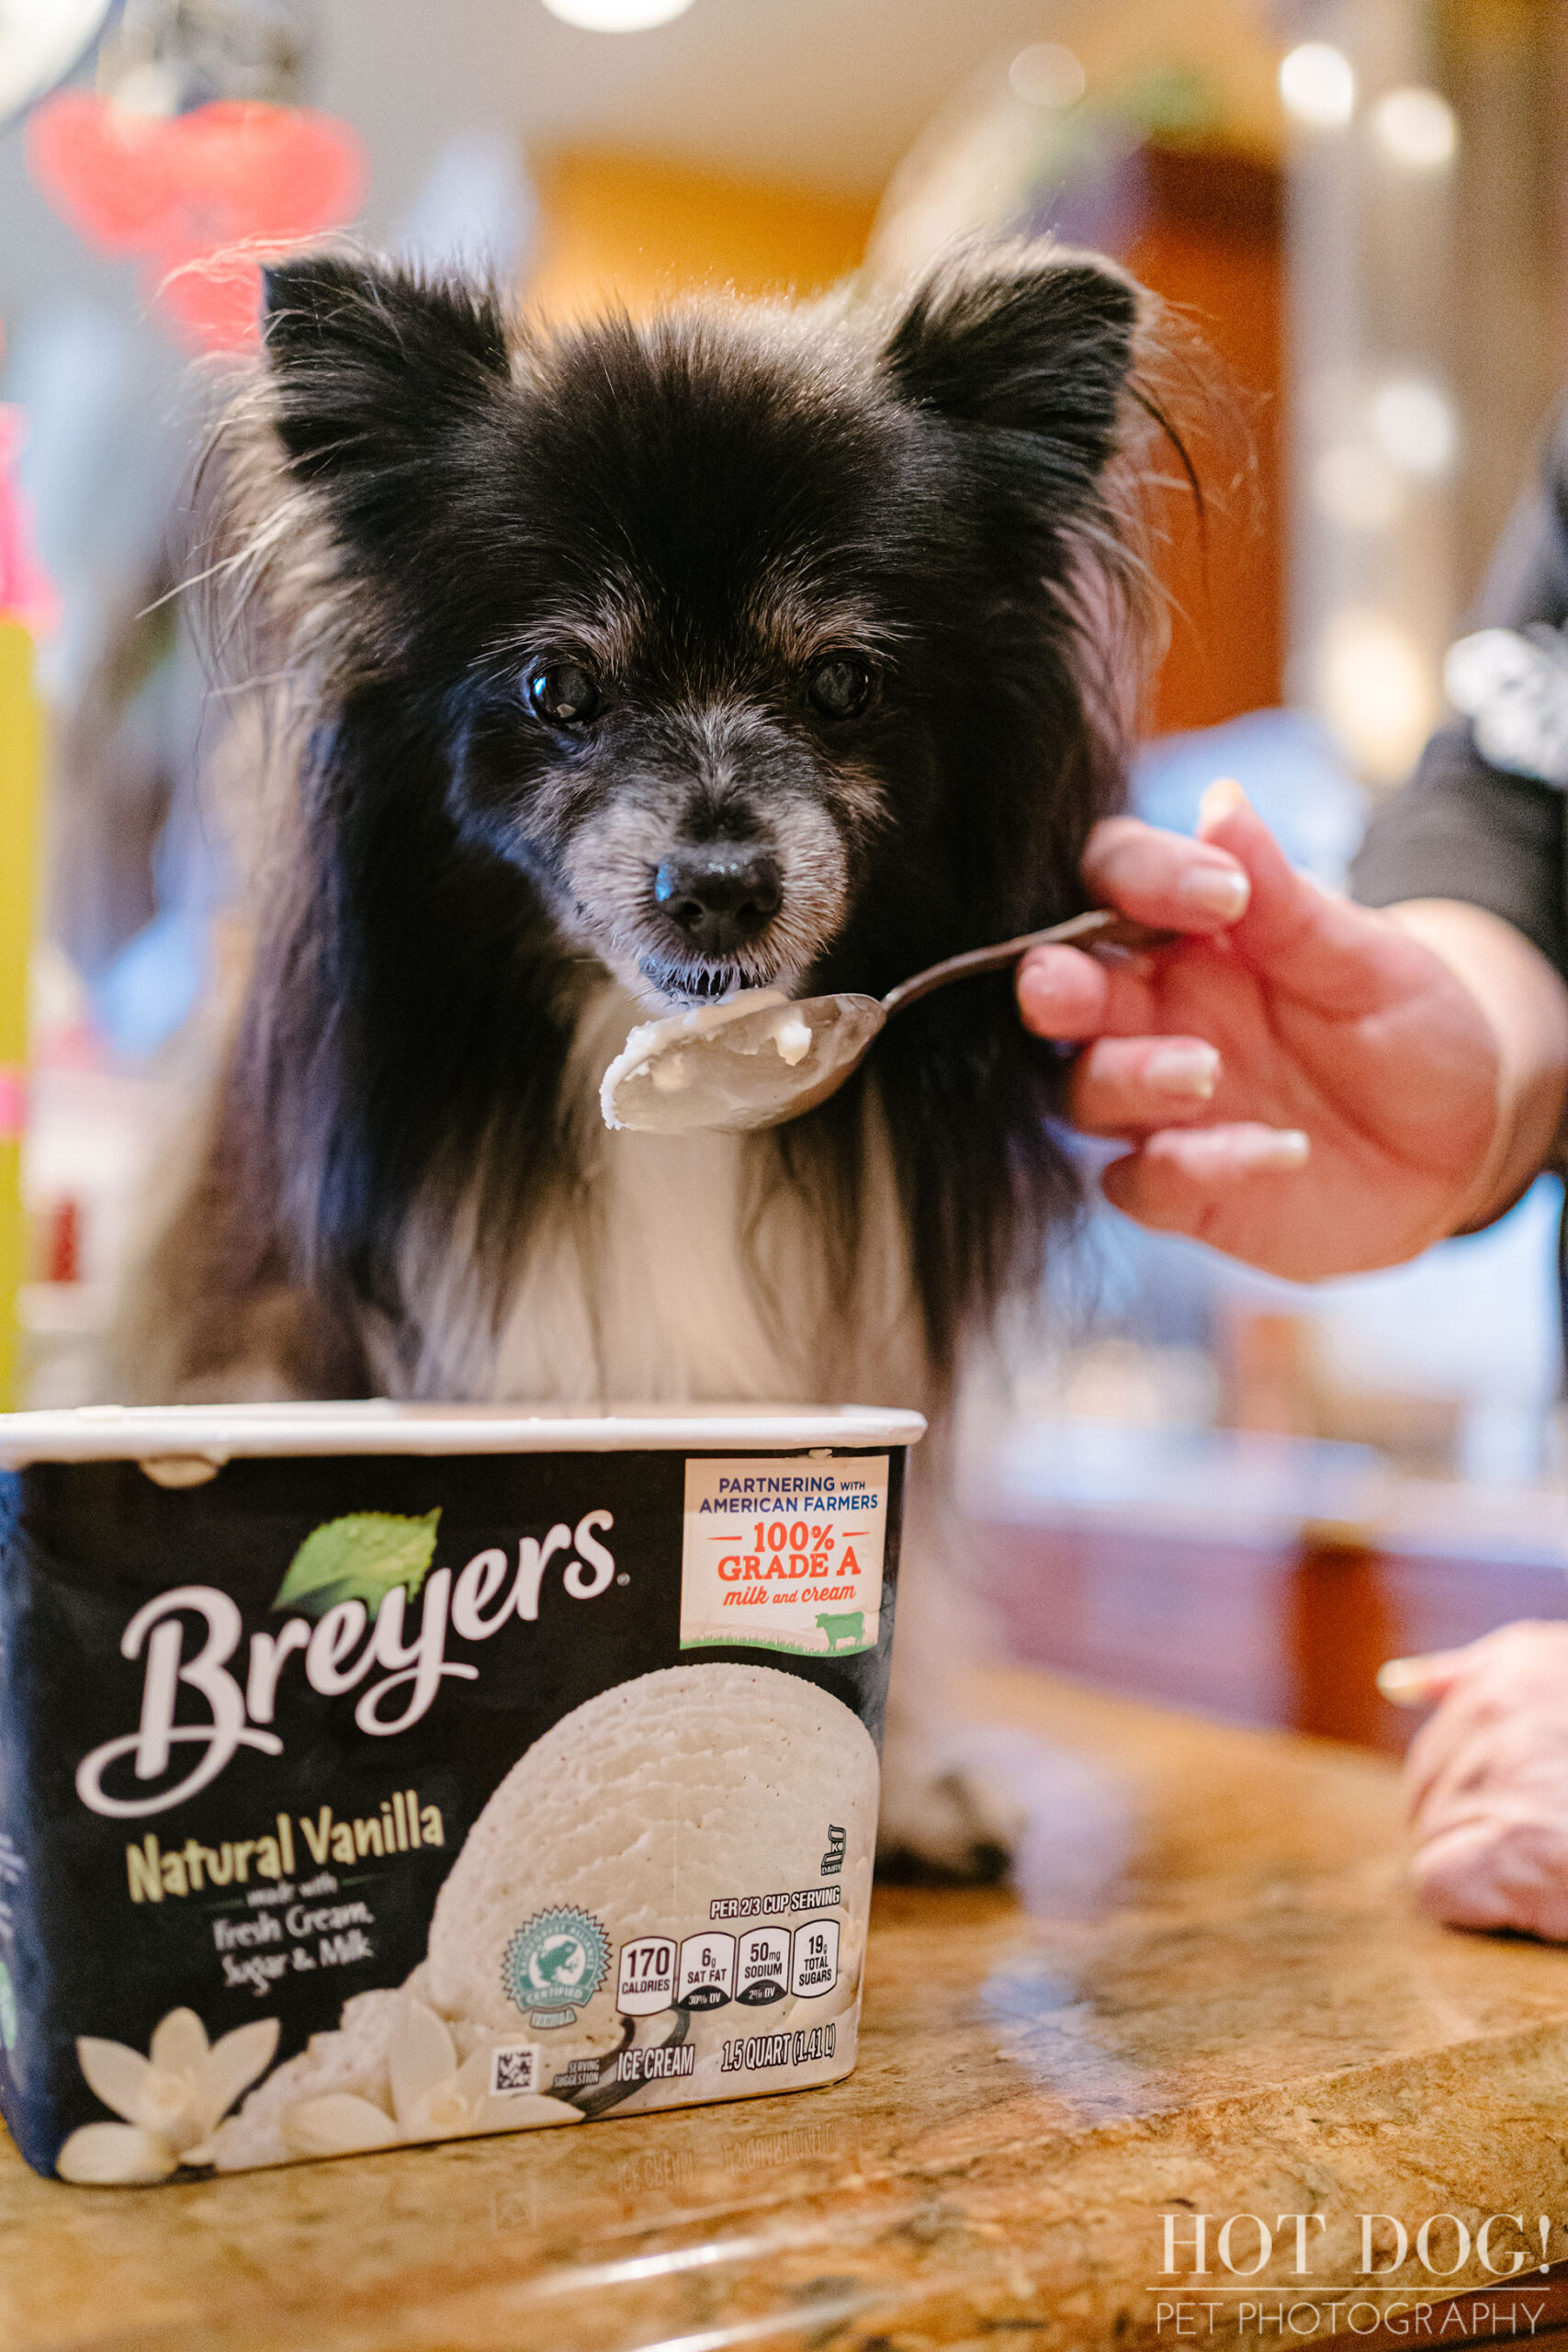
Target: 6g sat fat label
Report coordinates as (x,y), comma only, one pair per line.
(783,1556)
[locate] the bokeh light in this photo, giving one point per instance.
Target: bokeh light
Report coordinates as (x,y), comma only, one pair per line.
(1378,691)
(1415,424)
(1317,84)
(1356,487)
(617,15)
(1417,128)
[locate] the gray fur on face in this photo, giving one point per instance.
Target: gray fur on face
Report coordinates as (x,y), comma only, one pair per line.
(722,772)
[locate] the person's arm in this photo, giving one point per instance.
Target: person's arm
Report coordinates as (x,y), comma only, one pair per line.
(1525,1001)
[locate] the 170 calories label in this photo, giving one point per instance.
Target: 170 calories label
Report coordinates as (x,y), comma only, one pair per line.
(783,1556)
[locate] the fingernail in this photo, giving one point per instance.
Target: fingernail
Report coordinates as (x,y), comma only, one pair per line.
(1037,977)
(1040,1000)
(1184,1070)
(1222,890)
(1282,1149)
(1402,1681)
(1223,796)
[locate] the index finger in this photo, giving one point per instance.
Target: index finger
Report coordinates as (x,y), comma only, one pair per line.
(1065,994)
(1421,1681)
(1169,880)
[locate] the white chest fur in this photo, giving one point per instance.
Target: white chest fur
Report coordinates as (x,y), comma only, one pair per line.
(681,1269)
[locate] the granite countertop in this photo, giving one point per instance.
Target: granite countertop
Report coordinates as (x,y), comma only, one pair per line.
(1222,2003)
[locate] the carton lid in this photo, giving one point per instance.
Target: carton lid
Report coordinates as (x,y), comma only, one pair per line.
(219,1433)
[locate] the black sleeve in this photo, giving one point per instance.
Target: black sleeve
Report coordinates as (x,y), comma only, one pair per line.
(1460,829)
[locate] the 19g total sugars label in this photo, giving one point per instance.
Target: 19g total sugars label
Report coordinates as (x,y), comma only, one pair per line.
(783,1556)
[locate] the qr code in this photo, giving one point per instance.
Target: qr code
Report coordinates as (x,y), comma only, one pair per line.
(514,2069)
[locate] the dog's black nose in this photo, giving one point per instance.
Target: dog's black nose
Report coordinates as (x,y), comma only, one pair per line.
(722,894)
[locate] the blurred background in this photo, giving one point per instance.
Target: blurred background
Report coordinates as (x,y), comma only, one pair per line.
(1188,1480)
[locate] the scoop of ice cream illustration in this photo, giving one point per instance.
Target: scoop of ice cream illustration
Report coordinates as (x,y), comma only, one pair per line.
(638,1812)
(621,1829)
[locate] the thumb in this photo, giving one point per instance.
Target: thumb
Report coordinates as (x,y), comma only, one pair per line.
(1421,1681)
(1293,935)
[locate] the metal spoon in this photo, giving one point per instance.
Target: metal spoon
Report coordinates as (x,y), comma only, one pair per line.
(761,1057)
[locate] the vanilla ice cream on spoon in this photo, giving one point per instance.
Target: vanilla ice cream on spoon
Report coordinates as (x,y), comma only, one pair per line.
(760,1057)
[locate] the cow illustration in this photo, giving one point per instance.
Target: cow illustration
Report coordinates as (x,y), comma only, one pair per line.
(845,1631)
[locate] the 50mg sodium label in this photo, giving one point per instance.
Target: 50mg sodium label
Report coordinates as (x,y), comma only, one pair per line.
(785,1556)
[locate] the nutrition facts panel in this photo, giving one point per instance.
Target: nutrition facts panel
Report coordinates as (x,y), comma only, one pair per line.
(709,1971)
(780,1554)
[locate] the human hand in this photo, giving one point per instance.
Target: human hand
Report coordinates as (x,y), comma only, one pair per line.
(1305,1083)
(1486,1779)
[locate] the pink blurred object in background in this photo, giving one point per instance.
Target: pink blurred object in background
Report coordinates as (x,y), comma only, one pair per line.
(193,197)
(25,594)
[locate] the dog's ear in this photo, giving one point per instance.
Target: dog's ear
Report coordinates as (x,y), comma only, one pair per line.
(372,367)
(1038,341)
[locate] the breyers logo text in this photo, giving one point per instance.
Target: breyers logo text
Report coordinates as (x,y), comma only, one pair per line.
(339,1652)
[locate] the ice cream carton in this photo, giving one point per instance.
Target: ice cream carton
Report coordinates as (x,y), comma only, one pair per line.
(375,1774)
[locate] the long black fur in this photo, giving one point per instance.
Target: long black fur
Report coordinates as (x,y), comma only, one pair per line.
(424,487)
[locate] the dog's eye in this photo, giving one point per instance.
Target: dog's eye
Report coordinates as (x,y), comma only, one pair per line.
(564,693)
(840,685)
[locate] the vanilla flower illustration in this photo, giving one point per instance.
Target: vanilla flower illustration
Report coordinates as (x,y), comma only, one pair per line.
(171,2100)
(433,2097)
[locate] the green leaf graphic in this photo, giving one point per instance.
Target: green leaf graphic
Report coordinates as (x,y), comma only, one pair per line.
(359,1558)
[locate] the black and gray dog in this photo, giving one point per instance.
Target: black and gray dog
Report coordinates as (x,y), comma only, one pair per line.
(621,667)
